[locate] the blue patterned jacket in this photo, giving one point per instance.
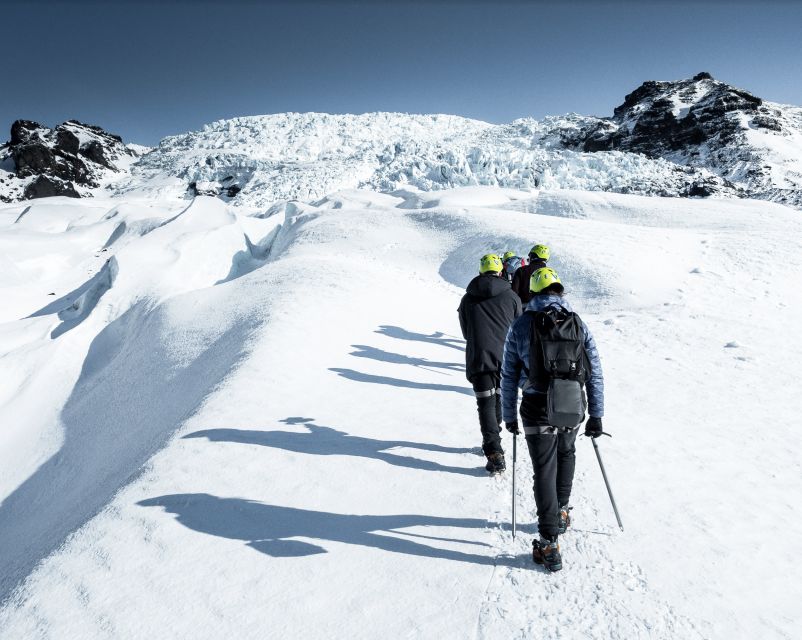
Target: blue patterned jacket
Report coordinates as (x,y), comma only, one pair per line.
(515,363)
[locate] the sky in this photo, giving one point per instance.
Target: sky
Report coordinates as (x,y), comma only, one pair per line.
(148,69)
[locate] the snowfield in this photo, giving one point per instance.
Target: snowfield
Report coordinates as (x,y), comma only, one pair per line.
(253,422)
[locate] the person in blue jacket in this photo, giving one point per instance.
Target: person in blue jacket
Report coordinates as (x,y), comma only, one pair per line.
(552,450)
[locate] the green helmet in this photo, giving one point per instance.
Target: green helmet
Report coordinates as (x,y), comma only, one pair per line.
(543,278)
(490,262)
(508,255)
(541,251)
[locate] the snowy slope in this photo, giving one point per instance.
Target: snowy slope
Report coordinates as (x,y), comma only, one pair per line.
(258,427)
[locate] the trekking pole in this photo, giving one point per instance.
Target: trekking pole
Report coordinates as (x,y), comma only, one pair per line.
(514,457)
(606,482)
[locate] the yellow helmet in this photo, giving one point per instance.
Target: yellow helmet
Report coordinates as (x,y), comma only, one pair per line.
(541,251)
(508,255)
(490,262)
(543,278)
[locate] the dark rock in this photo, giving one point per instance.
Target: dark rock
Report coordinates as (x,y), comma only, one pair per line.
(766,122)
(648,121)
(23,131)
(32,158)
(67,141)
(36,158)
(646,90)
(45,187)
(96,153)
(214,189)
(700,190)
(601,138)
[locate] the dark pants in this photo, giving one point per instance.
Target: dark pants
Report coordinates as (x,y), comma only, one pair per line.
(488,404)
(553,460)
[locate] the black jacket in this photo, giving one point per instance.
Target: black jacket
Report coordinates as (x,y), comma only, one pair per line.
(520,281)
(485,314)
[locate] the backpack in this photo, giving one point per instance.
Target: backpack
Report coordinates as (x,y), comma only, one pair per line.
(511,265)
(559,364)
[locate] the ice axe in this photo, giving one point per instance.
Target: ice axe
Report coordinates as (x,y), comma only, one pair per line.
(514,458)
(606,482)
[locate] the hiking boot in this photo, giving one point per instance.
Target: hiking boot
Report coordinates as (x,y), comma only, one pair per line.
(495,463)
(565,518)
(547,553)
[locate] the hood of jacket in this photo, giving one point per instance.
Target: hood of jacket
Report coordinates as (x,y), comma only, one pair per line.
(538,303)
(487,286)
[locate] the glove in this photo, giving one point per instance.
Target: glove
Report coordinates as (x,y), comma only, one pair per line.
(593,427)
(512,427)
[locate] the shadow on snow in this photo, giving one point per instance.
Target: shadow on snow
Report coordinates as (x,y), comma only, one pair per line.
(365,351)
(438,337)
(325,441)
(358,376)
(270,528)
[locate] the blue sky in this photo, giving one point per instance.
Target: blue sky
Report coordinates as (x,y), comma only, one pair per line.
(150,69)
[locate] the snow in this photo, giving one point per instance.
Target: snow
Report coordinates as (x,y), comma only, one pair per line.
(255,423)
(307,156)
(781,151)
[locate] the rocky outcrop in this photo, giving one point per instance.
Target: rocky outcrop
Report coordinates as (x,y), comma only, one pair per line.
(659,119)
(67,160)
(699,123)
(47,186)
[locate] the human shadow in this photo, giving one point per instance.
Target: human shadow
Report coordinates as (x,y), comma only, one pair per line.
(438,337)
(325,441)
(133,391)
(270,529)
(358,376)
(365,351)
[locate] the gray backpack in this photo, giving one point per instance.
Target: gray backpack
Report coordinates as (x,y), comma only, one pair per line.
(511,265)
(559,365)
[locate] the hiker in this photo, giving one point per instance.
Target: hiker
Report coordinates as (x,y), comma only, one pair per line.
(538,256)
(485,313)
(552,394)
(512,262)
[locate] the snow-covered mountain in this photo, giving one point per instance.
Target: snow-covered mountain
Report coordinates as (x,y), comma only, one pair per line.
(696,137)
(704,123)
(73,159)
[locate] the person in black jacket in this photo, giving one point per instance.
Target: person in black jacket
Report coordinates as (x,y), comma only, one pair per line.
(485,314)
(538,257)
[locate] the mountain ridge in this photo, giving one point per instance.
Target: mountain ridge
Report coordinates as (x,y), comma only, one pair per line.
(696,137)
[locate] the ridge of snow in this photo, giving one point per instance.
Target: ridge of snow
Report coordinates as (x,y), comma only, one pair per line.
(305,156)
